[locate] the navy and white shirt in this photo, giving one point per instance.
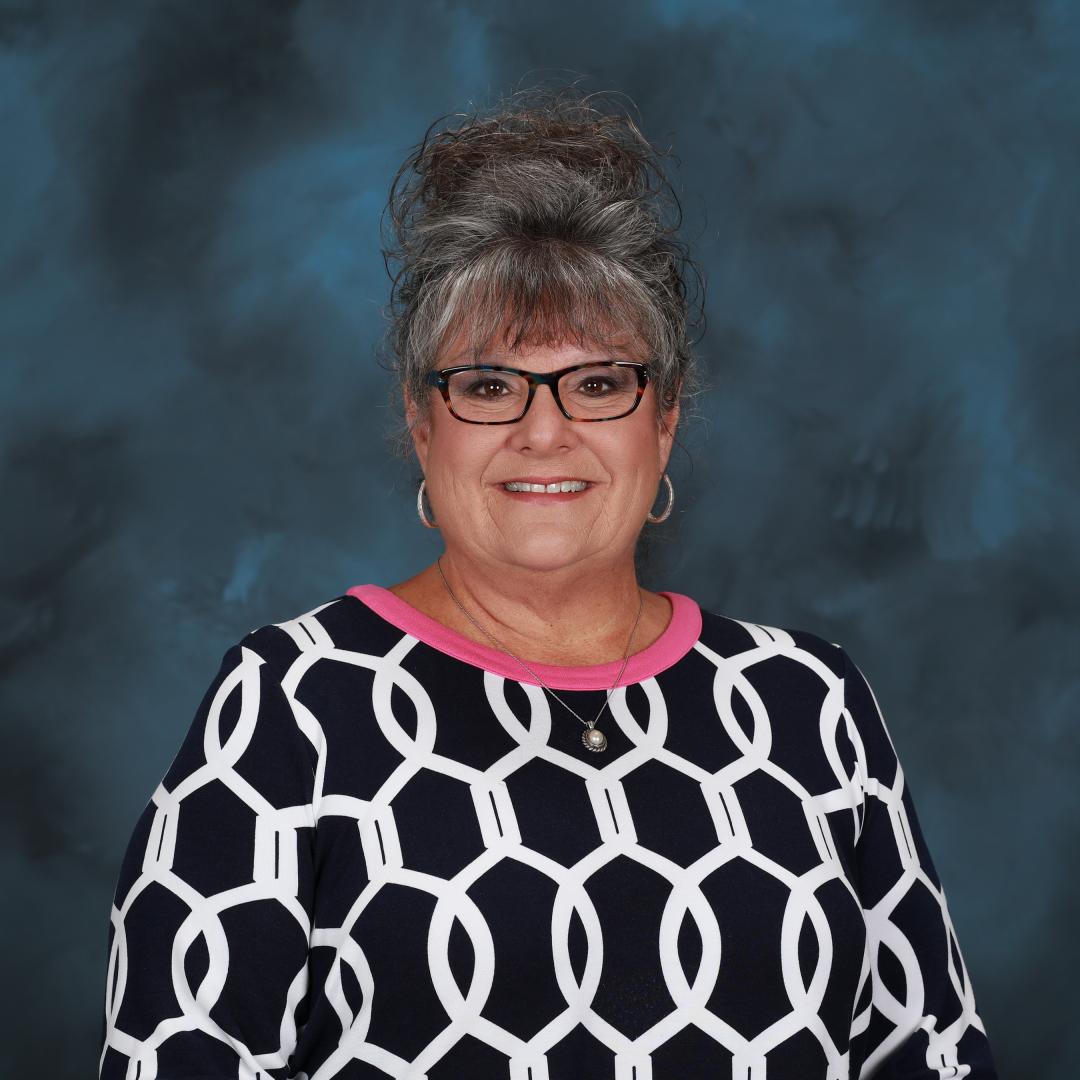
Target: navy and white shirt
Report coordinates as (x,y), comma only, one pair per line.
(382,850)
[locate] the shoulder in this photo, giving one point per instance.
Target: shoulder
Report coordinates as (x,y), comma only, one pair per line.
(730,637)
(342,622)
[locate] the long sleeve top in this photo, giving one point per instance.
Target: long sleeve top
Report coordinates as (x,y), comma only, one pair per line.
(383,850)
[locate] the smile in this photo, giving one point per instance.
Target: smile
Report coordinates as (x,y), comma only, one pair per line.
(551,489)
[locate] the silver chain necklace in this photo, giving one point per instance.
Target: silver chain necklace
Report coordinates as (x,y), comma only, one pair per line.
(591,737)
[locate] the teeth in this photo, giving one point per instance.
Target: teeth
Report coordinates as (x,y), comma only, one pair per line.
(562,485)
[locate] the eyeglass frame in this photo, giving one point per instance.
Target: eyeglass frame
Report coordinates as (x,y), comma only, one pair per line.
(440,378)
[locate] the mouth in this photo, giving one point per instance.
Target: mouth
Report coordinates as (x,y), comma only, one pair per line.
(554,491)
(552,488)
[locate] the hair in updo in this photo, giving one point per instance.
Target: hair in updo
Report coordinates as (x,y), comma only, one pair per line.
(547,216)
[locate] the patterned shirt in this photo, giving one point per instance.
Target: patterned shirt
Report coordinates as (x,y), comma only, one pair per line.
(383,850)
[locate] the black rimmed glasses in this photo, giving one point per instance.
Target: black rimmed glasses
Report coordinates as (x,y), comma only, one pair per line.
(585,393)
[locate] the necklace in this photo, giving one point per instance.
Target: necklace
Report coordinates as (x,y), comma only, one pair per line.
(591,737)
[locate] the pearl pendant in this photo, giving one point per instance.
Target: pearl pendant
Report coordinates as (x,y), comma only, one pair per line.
(594,739)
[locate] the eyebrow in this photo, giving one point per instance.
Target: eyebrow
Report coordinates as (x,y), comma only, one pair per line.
(507,359)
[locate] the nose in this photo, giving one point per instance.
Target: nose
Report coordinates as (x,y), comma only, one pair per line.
(543,424)
(544,398)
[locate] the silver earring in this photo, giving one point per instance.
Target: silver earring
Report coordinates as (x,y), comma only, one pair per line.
(671,502)
(420,506)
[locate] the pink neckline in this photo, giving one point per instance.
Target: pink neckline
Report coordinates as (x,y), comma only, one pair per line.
(671,646)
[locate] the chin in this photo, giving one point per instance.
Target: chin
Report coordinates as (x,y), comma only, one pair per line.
(540,553)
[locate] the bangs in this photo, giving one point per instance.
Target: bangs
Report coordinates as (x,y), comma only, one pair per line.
(501,304)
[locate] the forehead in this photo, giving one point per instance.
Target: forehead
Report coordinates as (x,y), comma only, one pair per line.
(541,353)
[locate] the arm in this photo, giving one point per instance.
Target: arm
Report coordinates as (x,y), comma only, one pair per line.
(208,938)
(916,1017)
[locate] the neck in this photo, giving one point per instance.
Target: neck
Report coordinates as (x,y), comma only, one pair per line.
(573,616)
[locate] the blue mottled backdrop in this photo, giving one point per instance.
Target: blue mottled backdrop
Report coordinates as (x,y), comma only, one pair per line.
(884,197)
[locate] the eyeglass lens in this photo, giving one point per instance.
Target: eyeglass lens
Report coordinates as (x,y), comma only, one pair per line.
(591,393)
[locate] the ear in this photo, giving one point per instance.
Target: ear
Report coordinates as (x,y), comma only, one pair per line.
(418,429)
(667,424)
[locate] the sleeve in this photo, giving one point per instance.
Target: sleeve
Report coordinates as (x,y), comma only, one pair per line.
(210,925)
(915,1018)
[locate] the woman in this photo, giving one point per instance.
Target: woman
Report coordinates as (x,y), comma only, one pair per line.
(518,816)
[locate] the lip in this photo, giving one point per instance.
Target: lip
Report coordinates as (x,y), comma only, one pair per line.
(542,479)
(545,496)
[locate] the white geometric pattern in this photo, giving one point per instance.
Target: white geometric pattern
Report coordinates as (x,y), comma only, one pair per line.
(370,858)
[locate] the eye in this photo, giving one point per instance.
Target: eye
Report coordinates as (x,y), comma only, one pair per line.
(479,387)
(601,381)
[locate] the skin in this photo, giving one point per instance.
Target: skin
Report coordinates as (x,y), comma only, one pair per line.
(555,583)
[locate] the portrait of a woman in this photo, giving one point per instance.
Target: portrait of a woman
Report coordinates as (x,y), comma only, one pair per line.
(517,817)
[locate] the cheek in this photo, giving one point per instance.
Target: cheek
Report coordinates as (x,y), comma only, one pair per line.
(634,459)
(462,459)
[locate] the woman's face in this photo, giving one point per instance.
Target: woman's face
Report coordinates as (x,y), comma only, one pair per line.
(466,465)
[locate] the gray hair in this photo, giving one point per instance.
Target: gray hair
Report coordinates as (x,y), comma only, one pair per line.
(544,216)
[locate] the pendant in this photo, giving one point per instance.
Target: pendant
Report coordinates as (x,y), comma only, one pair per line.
(594,739)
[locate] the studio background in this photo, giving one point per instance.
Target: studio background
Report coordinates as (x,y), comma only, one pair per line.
(193,422)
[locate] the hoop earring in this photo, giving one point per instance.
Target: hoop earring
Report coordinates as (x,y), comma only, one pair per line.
(671,503)
(420,506)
